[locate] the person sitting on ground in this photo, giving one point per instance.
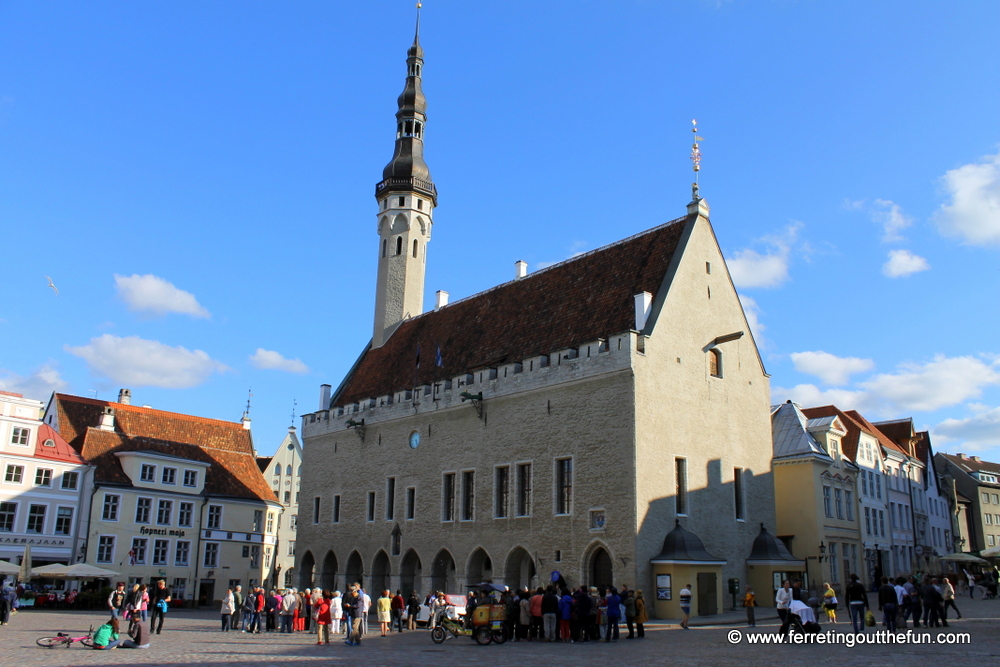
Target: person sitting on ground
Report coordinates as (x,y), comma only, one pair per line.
(139,634)
(106,636)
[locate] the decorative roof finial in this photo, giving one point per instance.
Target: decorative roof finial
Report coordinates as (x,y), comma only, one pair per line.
(416,35)
(695,159)
(294,405)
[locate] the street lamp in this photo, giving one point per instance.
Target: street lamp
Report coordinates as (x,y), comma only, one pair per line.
(822,551)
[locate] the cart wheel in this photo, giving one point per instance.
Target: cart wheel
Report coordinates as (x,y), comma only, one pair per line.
(483,635)
(438,636)
(499,635)
(51,642)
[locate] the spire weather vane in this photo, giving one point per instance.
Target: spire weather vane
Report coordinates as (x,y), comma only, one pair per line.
(294,405)
(695,157)
(246,413)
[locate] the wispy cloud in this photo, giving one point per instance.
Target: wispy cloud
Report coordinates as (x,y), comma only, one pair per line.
(154,295)
(137,362)
(973,210)
(829,368)
(903,263)
(913,387)
(41,382)
(888,215)
(750,268)
(271,360)
(979,432)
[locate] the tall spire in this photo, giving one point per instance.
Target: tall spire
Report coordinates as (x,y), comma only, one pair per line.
(407,170)
(406,198)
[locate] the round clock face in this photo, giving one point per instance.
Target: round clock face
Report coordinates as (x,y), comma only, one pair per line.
(414,439)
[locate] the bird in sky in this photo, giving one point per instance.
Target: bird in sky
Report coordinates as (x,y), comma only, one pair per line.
(52,285)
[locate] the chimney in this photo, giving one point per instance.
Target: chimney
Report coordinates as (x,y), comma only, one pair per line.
(520,268)
(442,300)
(125,396)
(643,301)
(324,397)
(975,458)
(108,419)
(961,455)
(246,422)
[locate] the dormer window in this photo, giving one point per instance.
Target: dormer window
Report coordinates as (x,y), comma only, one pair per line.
(147,473)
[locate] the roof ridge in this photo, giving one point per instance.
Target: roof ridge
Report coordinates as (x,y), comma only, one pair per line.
(144,410)
(556,265)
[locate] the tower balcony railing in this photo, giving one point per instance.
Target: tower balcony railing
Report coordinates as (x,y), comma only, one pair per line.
(418,184)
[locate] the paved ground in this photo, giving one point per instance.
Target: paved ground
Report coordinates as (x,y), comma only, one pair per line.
(192,638)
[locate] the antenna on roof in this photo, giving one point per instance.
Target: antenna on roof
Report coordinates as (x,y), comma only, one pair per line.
(246,413)
(695,159)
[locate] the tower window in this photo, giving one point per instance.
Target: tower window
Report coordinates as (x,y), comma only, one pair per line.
(384,243)
(414,248)
(399,245)
(420,204)
(402,201)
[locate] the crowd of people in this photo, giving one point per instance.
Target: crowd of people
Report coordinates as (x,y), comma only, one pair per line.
(545,614)
(922,601)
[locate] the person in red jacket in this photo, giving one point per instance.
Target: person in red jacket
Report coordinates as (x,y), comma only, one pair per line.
(322,611)
(398,604)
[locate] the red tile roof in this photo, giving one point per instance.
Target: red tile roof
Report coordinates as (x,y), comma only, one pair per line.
(60,450)
(562,306)
(849,443)
(883,439)
(227,446)
(901,432)
(968,465)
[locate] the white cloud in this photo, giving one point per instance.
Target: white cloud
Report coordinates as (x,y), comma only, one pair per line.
(904,263)
(750,268)
(979,432)
(923,387)
(973,212)
(137,362)
(890,216)
(809,395)
(575,250)
(39,385)
(936,384)
(155,295)
(270,360)
(752,312)
(829,368)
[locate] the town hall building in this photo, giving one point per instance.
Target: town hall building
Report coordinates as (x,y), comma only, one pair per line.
(604,420)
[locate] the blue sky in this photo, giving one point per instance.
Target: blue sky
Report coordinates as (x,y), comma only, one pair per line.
(197,179)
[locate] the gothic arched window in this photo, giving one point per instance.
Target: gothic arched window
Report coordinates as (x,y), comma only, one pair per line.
(399,245)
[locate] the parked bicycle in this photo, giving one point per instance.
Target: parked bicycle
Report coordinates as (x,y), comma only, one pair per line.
(62,639)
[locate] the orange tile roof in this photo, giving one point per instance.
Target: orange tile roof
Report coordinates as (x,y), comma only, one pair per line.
(849,443)
(563,306)
(227,446)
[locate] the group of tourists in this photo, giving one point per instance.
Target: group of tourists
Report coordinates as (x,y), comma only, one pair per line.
(924,601)
(559,613)
(257,611)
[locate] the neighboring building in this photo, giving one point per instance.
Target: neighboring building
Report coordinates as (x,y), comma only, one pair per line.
(907,498)
(44,485)
(979,482)
(175,497)
(861,446)
(284,473)
(939,537)
(815,494)
(567,421)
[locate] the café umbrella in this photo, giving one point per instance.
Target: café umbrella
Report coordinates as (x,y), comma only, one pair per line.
(76,571)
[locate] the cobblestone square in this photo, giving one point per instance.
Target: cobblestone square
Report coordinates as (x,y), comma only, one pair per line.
(193,638)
